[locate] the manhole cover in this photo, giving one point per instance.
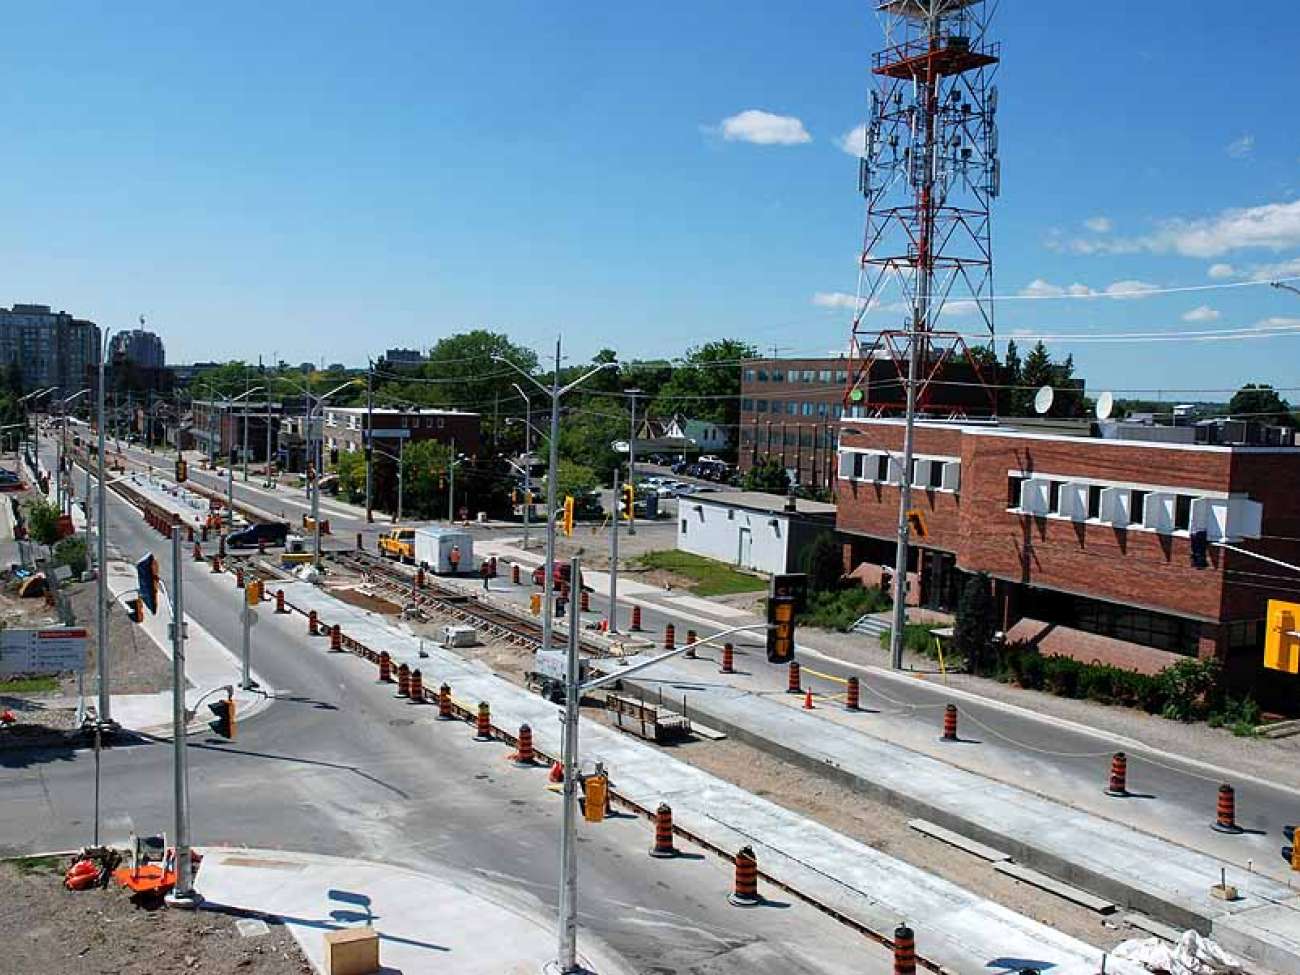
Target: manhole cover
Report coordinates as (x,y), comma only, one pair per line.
(399,722)
(251,928)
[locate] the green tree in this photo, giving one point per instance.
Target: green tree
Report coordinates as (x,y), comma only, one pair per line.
(976,622)
(72,553)
(823,560)
(351,470)
(1262,403)
(575,480)
(43,522)
(424,480)
(768,476)
(707,385)
(587,433)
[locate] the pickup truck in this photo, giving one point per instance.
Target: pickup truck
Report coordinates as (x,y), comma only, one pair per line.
(398,543)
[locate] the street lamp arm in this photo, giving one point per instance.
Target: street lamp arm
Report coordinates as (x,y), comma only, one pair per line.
(1285,287)
(523,372)
(583,378)
(636,668)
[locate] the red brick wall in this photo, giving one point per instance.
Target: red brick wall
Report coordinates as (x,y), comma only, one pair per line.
(1135,567)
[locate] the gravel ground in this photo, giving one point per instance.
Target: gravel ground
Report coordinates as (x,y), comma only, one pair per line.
(1277,760)
(53,931)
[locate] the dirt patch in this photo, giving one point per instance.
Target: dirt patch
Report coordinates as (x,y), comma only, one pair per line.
(365,600)
(53,931)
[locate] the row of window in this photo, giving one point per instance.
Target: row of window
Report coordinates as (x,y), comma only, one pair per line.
(800,436)
(355,422)
(1123,506)
(797,376)
(928,473)
(792,408)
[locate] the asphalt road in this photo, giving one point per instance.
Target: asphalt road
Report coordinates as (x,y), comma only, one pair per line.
(336,765)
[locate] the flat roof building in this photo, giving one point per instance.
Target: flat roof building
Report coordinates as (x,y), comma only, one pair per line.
(1089,540)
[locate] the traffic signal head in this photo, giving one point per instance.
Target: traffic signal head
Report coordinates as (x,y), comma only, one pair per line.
(780,628)
(182,469)
(146,576)
(224,722)
(568,514)
(628,502)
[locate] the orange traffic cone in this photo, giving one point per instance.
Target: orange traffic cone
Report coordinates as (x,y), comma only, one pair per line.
(807,701)
(556,775)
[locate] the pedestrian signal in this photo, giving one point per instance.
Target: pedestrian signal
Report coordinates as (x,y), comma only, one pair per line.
(568,515)
(628,503)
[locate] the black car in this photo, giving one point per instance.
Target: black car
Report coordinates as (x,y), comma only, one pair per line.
(267,533)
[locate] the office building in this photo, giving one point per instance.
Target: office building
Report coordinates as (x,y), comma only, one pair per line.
(50,348)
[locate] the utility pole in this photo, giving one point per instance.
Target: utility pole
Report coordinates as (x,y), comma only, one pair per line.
(247,389)
(451,484)
(248,618)
(368,441)
(183,894)
(631,462)
(528,462)
(101,560)
(613,559)
(401,478)
(568,926)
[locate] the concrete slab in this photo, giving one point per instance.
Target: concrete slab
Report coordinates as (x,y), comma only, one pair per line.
(955,928)
(952,838)
(424,923)
(1028,875)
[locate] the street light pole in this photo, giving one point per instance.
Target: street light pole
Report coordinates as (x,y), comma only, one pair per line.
(528,459)
(631,463)
(613,558)
(369,443)
(104,712)
(451,485)
(183,893)
(568,926)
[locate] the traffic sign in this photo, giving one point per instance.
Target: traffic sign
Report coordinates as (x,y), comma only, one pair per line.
(48,651)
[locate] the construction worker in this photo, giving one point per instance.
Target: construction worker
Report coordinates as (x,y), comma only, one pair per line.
(454,558)
(485,570)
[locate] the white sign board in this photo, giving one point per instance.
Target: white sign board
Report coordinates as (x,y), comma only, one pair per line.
(48,651)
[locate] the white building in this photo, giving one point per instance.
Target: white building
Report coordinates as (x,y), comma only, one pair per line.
(751,529)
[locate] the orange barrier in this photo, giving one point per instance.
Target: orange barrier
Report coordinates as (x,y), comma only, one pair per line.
(239,578)
(483,725)
(728,659)
(1118,785)
(198,552)
(744,892)
(524,755)
(792,685)
(904,951)
(417,686)
(336,637)
(670,637)
(690,642)
(663,844)
(851,696)
(385,668)
(514,573)
(584,602)
(950,722)
(807,701)
(279,601)
(636,619)
(313,623)
(444,703)
(403,681)
(1226,818)
(556,775)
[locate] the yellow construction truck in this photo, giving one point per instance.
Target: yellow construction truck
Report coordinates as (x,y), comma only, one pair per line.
(398,543)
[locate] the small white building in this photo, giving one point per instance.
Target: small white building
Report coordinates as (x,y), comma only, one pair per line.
(751,529)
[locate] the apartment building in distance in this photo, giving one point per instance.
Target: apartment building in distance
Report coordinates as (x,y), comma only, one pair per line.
(790,410)
(50,348)
(1103,548)
(344,428)
(138,347)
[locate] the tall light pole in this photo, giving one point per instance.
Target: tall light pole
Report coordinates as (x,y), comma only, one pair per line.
(104,713)
(1281,286)
(556,392)
(317,404)
(230,468)
(452,463)
(528,457)
(631,461)
(369,444)
(183,893)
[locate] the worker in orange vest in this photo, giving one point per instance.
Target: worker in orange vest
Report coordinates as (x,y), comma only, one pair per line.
(454,558)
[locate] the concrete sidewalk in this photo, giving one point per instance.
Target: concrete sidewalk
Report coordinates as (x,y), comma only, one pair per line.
(424,923)
(955,928)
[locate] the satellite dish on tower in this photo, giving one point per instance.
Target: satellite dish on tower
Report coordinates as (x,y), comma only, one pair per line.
(1043,399)
(1105,406)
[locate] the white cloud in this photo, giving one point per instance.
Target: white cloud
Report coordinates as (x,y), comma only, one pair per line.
(1038,288)
(1241,148)
(1221,271)
(764,129)
(1129,289)
(835,299)
(1201,313)
(1271,272)
(854,142)
(1271,226)
(961,306)
(1099,225)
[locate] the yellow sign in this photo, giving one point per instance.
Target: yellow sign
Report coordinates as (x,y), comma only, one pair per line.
(1281,642)
(916,523)
(253,591)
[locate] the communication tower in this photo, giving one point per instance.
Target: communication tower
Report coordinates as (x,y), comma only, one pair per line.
(929,171)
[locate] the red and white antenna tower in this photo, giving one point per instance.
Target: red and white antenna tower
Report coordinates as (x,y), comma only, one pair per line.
(929,172)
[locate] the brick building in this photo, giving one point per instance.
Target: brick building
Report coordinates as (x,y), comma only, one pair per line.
(789,410)
(345,425)
(1088,540)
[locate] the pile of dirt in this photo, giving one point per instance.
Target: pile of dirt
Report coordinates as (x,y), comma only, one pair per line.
(53,931)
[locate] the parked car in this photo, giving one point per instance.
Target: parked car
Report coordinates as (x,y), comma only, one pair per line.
(679,467)
(271,533)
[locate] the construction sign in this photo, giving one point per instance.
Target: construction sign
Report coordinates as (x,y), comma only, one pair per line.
(1282,638)
(916,523)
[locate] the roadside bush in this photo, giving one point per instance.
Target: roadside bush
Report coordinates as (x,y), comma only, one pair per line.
(917,639)
(839,609)
(1189,689)
(43,522)
(72,553)
(1238,715)
(1061,675)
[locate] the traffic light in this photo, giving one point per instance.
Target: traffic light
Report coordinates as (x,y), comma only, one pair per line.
(568,514)
(628,503)
(780,629)
(146,576)
(514,496)
(253,592)
(182,469)
(224,723)
(1200,546)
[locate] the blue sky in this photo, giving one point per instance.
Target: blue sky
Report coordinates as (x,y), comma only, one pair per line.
(325,180)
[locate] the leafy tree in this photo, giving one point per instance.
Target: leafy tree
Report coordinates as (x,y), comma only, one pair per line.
(707,385)
(575,479)
(823,560)
(351,470)
(72,553)
(1038,369)
(43,522)
(1261,402)
(424,480)
(768,476)
(976,622)
(586,435)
